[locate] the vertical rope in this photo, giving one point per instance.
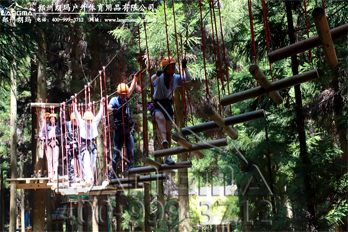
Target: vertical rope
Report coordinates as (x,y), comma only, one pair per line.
(149,64)
(215,57)
(218,46)
(267,33)
(152,90)
(65,139)
(253,52)
(120,80)
(178,57)
(168,52)
(108,121)
(223,46)
(125,80)
(205,70)
(61,144)
(138,100)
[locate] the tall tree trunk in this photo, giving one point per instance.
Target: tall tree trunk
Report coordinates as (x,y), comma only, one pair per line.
(342,132)
(300,122)
(119,210)
(48,209)
(39,194)
(13,141)
(2,218)
(147,200)
(184,210)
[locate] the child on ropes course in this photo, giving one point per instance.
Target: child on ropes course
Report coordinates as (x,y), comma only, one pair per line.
(163,81)
(122,124)
(88,132)
(52,141)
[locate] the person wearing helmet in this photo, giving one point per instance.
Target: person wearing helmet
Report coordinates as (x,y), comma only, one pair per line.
(72,146)
(122,130)
(163,81)
(51,134)
(88,129)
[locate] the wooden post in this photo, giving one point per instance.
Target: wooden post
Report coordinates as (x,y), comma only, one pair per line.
(306,44)
(80,219)
(277,85)
(325,36)
(119,210)
(48,210)
(182,142)
(220,121)
(95,214)
(147,206)
(228,121)
(195,147)
(265,83)
(22,203)
(183,192)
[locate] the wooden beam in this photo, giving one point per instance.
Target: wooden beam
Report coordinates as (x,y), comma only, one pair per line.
(277,85)
(306,44)
(130,186)
(325,36)
(185,144)
(195,147)
(44,105)
(265,83)
(146,169)
(228,121)
(147,161)
(208,109)
(141,179)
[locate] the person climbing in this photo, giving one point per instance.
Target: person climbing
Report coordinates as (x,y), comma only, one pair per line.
(122,130)
(52,142)
(163,81)
(88,132)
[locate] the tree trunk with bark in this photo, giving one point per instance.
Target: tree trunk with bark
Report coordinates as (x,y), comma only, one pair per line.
(13,142)
(183,192)
(300,120)
(38,153)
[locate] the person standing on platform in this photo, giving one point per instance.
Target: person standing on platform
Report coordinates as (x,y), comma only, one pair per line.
(53,133)
(88,132)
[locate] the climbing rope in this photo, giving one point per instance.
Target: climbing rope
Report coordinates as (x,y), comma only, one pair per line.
(205,70)
(223,46)
(215,56)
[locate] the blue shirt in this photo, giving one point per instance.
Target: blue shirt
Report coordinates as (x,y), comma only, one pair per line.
(116,103)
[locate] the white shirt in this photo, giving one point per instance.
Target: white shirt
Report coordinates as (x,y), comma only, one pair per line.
(91,131)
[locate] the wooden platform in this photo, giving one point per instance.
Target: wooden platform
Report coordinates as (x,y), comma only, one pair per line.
(76,189)
(31,183)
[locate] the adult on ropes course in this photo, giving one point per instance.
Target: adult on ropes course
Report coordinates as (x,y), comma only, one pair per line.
(51,134)
(72,147)
(88,132)
(165,83)
(122,124)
